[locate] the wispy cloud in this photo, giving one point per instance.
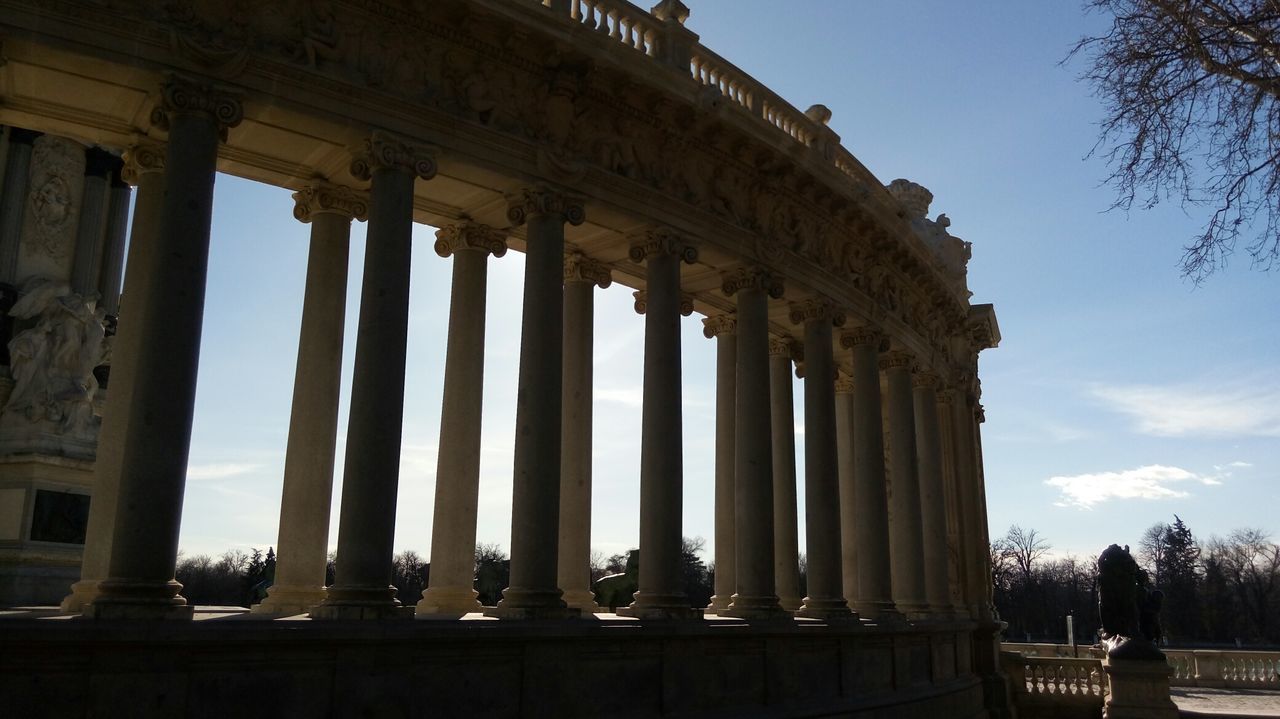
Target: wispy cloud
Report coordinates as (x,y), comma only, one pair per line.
(1241,408)
(219,470)
(1154,481)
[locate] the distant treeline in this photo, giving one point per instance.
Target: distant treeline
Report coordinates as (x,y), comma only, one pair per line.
(1222,590)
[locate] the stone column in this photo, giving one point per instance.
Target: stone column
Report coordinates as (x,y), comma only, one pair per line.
(754,597)
(848,501)
(366,524)
(956,566)
(143,167)
(451,585)
(825,586)
(535,523)
(871,529)
(661,592)
(114,244)
(87,263)
(786,534)
(17,169)
(724,328)
(303,545)
(933,512)
(159,411)
(977,575)
(907,546)
(581,276)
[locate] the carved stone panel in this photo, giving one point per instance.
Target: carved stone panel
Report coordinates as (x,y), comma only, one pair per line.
(55,186)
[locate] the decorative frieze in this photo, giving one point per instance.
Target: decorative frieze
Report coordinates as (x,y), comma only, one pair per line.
(716,325)
(642,303)
(470,236)
(580,268)
(545,201)
(757,278)
(185,96)
(816,309)
(384,151)
(335,199)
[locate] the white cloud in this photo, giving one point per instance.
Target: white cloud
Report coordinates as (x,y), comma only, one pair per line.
(626,396)
(219,470)
(1241,408)
(1150,482)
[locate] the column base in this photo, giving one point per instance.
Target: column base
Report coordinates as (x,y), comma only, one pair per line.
(790,604)
(756,608)
(649,605)
(445,602)
(519,603)
(914,611)
(532,613)
(584,600)
(829,610)
(82,595)
(129,599)
(286,601)
(882,611)
(718,604)
(343,603)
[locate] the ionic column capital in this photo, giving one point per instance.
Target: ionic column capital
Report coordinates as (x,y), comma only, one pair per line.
(844,384)
(545,201)
(749,278)
(788,347)
(184,96)
(140,159)
(946,395)
(323,197)
(897,360)
(662,241)
(925,380)
(642,302)
(470,237)
(382,150)
(816,309)
(864,335)
(716,325)
(580,268)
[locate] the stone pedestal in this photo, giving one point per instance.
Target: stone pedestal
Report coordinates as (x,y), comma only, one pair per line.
(1139,689)
(44,510)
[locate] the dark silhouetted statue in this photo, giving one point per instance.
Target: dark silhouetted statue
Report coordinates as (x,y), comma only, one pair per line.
(1129,612)
(616,590)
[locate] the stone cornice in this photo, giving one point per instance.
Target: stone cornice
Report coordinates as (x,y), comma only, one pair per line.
(142,158)
(753,278)
(385,151)
(184,96)
(897,360)
(642,302)
(543,200)
(335,199)
(470,237)
(816,309)
(580,268)
(716,325)
(662,241)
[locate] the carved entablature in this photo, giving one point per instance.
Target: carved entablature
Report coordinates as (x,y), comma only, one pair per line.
(470,237)
(384,151)
(753,278)
(816,309)
(717,325)
(545,201)
(984,333)
(642,302)
(142,158)
(181,96)
(580,268)
(662,241)
(335,199)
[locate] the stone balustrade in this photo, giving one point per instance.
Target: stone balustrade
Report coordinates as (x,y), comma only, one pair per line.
(1191,667)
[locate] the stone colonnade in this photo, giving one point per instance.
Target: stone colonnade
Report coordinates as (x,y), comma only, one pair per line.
(892,455)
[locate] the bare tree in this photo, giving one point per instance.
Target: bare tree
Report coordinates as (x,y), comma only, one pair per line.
(1191,89)
(1022,547)
(1151,550)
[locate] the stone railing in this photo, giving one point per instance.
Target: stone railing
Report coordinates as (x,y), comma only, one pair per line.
(1049,686)
(1191,667)
(617,19)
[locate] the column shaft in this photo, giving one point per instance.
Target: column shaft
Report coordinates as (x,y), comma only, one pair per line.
(848,499)
(932,500)
(145,167)
(366,525)
(303,545)
(957,566)
(144,547)
(114,245)
(453,530)
(17,169)
(724,329)
(786,533)
(825,587)
(87,264)
(907,547)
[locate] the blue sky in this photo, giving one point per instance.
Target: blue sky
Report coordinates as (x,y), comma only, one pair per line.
(1120,395)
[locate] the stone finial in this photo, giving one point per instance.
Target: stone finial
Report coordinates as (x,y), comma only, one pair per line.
(670,11)
(716,325)
(820,114)
(752,278)
(140,159)
(470,236)
(816,309)
(324,197)
(864,334)
(897,360)
(543,200)
(385,151)
(662,241)
(915,198)
(183,96)
(580,268)
(642,302)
